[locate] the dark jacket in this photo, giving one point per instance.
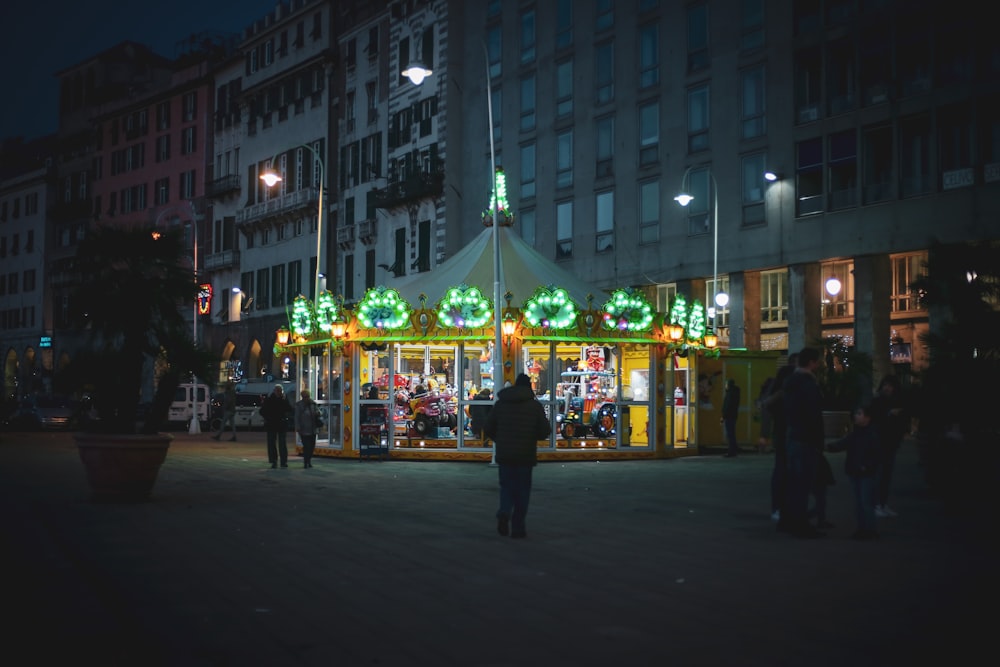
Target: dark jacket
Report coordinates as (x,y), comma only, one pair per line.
(478,411)
(804,409)
(862,447)
(731,402)
(891,428)
(516,423)
(275,411)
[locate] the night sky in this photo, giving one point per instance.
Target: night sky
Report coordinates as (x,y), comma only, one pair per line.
(41,37)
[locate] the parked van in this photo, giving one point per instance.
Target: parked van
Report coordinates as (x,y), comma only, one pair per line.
(184,396)
(247,411)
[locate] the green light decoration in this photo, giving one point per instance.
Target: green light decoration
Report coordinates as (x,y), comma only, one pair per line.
(303,319)
(551,308)
(678,311)
(628,310)
(383,308)
(464,307)
(498,201)
(326,311)
(696,321)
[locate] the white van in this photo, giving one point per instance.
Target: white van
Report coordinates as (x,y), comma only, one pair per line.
(184,396)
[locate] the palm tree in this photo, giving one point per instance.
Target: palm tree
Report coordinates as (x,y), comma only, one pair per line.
(130,296)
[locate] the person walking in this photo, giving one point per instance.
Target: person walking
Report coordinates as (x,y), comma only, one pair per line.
(804,442)
(515,424)
(775,404)
(307,423)
(478,411)
(275,411)
(861,465)
(891,420)
(228,412)
(730,412)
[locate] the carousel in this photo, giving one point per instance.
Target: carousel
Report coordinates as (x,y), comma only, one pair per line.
(408,372)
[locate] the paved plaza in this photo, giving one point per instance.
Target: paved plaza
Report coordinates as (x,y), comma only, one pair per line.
(672,562)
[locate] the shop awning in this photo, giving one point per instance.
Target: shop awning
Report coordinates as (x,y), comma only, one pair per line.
(523,270)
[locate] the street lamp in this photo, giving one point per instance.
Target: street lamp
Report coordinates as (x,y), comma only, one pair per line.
(416,74)
(721,298)
(271,177)
(195,426)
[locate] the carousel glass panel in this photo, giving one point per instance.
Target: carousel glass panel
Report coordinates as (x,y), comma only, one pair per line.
(477,392)
(321,375)
(634,414)
(426,386)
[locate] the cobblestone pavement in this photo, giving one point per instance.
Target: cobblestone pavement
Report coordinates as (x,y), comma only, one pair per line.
(399,563)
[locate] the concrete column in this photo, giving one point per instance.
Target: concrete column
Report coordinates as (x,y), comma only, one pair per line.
(805,326)
(737,320)
(748,330)
(872,287)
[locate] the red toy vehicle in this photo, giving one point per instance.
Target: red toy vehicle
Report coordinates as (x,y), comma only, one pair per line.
(432,410)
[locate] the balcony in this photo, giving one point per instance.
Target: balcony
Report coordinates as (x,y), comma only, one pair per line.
(345,236)
(368,231)
(219,261)
(293,204)
(221,187)
(419,185)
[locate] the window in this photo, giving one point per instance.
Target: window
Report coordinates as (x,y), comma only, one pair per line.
(564,24)
(29,280)
(162,190)
(190,106)
(649,55)
(262,293)
(605,223)
(604,73)
(649,212)
(528,36)
(564,159)
(914,158)
(605,149)
(955,137)
(754,102)
(497,97)
(913,57)
(528,170)
(719,316)
(649,133)
(494,43)
(268,52)
(665,295)
(877,164)
(876,54)
(163,116)
(697,209)
(809,176)
(188,142)
(905,270)
(564,230)
(423,262)
(843,170)
(752,16)
(842,303)
(774,296)
(187,183)
(697,37)
(527,222)
(564,89)
(278,294)
(371,93)
(698,119)
(753,188)
(841,76)
(528,103)
(350,110)
(807,85)
(605,15)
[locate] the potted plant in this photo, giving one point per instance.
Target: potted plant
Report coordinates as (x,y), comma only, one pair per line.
(845,378)
(131,290)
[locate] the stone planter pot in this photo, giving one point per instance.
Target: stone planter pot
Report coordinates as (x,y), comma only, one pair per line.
(122,467)
(837,423)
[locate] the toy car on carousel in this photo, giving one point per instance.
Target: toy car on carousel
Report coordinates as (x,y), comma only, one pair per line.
(431,410)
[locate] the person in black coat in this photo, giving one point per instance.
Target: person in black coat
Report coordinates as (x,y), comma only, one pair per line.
(275,410)
(891,420)
(862,465)
(478,411)
(730,413)
(515,424)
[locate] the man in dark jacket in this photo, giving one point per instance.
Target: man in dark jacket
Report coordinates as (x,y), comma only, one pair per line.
(804,443)
(730,412)
(275,410)
(515,424)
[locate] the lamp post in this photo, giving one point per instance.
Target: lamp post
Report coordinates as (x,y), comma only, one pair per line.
(416,74)
(271,177)
(195,426)
(720,298)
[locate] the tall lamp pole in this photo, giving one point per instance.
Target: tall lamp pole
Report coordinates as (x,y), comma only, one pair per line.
(720,298)
(416,73)
(195,426)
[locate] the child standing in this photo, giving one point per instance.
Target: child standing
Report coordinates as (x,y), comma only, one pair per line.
(861,466)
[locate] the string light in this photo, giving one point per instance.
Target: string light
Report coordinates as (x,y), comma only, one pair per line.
(551,308)
(383,308)
(464,307)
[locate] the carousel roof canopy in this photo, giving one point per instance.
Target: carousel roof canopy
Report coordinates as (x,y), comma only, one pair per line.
(522,271)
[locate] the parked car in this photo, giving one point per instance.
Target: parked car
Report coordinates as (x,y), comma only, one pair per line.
(48,412)
(247,411)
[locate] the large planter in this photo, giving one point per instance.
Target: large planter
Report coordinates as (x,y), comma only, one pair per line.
(122,467)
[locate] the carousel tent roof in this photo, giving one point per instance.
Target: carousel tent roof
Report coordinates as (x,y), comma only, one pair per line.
(522,271)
